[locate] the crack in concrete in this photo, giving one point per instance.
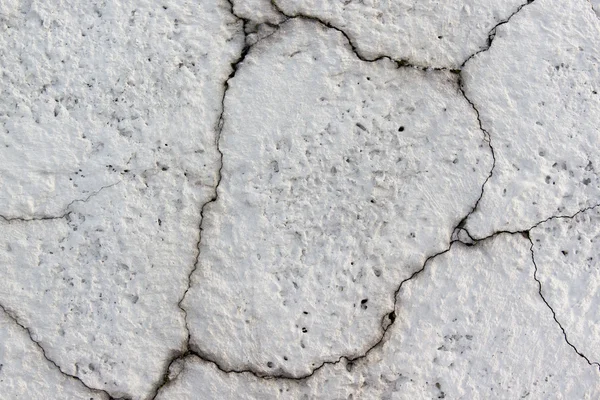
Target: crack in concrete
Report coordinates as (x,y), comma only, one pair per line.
(564,332)
(596,13)
(12,316)
(215,196)
(488,139)
(492,32)
(15,319)
(65,214)
(386,322)
(402,63)
(387,319)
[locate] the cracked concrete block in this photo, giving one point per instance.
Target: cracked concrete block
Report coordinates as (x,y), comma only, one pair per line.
(99,288)
(340,177)
(431,32)
(26,374)
(267,199)
(566,254)
(538,94)
(471,325)
(94,92)
(108,118)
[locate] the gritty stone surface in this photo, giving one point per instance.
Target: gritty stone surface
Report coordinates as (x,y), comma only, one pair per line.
(26,374)
(542,110)
(258,12)
(329,213)
(87,286)
(430,32)
(471,325)
(108,138)
(566,254)
(267,199)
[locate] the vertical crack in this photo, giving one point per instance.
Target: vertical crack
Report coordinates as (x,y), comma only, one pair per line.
(488,139)
(246,24)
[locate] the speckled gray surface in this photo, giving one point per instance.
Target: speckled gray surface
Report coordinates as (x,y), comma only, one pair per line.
(257,199)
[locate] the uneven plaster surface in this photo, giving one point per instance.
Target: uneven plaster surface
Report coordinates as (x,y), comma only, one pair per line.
(277,200)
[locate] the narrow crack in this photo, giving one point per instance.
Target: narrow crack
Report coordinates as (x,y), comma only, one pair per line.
(591,363)
(65,214)
(537,224)
(15,319)
(389,318)
(12,316)
(387,321)
(488,138)
(492,33)
(487,135)
(402,63)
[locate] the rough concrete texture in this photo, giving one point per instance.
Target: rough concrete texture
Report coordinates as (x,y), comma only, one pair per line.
(275,199)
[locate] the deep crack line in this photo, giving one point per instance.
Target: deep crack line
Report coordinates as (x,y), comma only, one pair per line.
(564,332)
(215,195)
(15,319)
(389,318)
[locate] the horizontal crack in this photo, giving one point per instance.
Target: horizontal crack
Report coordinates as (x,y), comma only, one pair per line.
(402,63)
(65,214)
(537,224)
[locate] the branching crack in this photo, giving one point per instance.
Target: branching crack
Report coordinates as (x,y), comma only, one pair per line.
(459,234)
(246,23)
(389,318)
